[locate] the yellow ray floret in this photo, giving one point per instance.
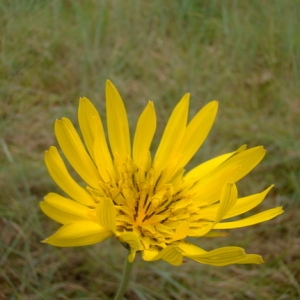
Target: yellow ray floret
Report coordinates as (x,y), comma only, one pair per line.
(149,203)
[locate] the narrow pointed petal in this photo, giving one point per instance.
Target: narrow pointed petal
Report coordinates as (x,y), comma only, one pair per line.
(247,203)
(61,176)
(250,259)
(242,205)
(255,219)
(227,200)
(247,160)
(144,133)
(94,137)
(174,132)
(197,131)
(63,210)
(207,167)
(170,254)
(102,155)
(231,170)
(80,233)
(86,114)
(208,190)
(215,234)
(75,152)
(133,241)
(190,249)
(221,256)
(106,214)
(117,122)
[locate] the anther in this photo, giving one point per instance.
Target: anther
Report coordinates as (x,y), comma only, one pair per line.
(146,200)
(148,207)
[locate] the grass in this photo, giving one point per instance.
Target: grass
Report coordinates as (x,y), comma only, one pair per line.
(246,54)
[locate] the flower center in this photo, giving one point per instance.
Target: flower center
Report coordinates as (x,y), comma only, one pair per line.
(147,206)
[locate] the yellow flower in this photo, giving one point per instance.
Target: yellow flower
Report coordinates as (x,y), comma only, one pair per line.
(149,203)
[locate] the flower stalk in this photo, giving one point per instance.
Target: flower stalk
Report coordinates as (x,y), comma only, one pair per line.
(125,278)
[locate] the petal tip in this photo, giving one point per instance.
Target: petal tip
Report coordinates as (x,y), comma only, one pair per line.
(109,83)
(82,100)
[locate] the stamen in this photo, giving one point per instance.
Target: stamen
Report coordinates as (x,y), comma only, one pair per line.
(146,200)
(164,202)
(148,207)
(137,206)
(162,210)
(177,194)
(154,190)
(167,206)
(148,216)
(164,220)
(158,179)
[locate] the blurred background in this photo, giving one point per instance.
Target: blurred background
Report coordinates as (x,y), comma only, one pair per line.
(245,54)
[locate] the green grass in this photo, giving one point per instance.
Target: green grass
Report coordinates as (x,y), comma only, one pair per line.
(245,54)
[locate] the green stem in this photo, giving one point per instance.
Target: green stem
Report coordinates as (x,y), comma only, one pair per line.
(125,279)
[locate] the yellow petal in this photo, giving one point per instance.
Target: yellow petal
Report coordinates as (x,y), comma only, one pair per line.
(231,170)
(61,176)
(190,249)
(215,234)
(144,133)
(75,152)
(255,219)
(247,160)
(181,231)
(227,200)
(117,123)
(200,228)
(250,259)
(247,203)
(63,210)
(197,131)
(80,233)
(133,241)
(207,167)
(208,190)
(220,257)
(94,137)
(242,205)
(148,255)
(173,134)
(171,170)
(102,156)
(170,254)
(86,113)
(106,214)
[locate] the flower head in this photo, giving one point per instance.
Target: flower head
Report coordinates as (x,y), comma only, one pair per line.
(149,203)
